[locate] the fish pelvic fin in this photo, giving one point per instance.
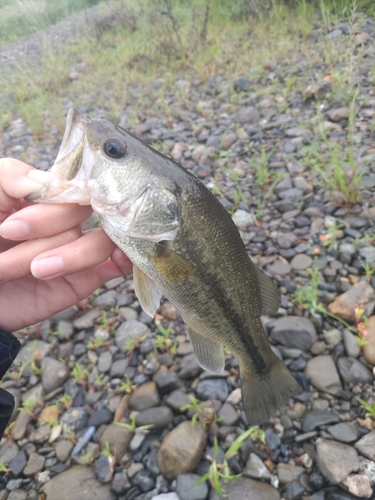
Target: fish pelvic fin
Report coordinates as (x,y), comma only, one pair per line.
(147,292)
(262,395)
(210,355)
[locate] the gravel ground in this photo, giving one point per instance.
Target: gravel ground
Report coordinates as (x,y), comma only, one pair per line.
(89,367)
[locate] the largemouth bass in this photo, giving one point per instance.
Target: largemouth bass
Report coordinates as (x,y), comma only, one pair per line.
(183,244)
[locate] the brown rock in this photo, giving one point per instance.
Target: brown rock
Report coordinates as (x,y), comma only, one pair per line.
(122,407)
(63,450)
(118,439)
(34,465)
(247,489)
(359,485)
(181,449)
(76,482)
(145,396)
(361,294)
(369,348)
(339,114)
(50,415)
(288,472)
(169,311)
(19,428)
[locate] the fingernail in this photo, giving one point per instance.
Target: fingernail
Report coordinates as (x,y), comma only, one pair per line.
(48,267)
(39,176)
(14,229)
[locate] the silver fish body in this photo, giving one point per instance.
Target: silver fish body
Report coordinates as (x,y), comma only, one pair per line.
(183,244)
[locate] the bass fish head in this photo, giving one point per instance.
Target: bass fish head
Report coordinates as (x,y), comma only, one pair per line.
(125,181)
(97,163)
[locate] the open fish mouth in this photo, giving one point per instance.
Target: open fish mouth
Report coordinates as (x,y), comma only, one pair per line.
(68,182)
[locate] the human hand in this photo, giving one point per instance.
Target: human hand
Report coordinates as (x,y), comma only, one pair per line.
(46,263)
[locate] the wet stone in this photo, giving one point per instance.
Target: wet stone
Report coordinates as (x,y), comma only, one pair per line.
(18,464)
(212,388)
(158,417)
(273,440)
(346,432)
(103,469)
(151,462)
(188,490)
(100,417)
(144,480)
(353,371)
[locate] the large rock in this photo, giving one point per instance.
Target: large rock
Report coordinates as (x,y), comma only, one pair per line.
(369,348)
(323,374)
(181,449)
(145,396)
(360,294)
(54,374)
(366,445)
(77,482)
(34,350)
(353,371)
(247,489)
(130,331)
(293,332)
(336,460)
(118,438)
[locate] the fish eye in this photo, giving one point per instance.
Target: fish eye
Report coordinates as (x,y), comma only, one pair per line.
(114,148)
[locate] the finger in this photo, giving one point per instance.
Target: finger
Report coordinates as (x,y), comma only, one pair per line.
(15,263)
(39,221)
(122,261)
(17,180)
(93,248)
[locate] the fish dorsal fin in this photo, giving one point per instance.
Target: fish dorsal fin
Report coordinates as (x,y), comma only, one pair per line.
(210,355)
(147,292)
(269,293)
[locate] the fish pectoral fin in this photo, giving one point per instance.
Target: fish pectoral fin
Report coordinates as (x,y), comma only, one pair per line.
(147,292)
(210,355)
(173,267)
(269,293)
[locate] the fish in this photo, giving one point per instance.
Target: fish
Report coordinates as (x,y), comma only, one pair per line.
(183,244)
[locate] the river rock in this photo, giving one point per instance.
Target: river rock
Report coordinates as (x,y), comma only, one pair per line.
(256,469)
(350,343)
(157,417)
(359,485)
(293,332)
(54,374)
(181,449)
(369,348)
(360,294)
(336,460)
(213,388)
(130,331)
(366,445)
(145,396)
(288,472)
(247,489)
(77,482)
(346,432)
(353,371)
(34,465)
(323,374)
(118,438)
(246,115)
(187,489)
(316,418)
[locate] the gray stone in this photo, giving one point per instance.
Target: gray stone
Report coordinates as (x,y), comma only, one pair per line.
(353,371)
(118,439)
(177,399)
(288,472)
(31,351)
(158,417)
(76,482)
(246,115)
(104,469)
(18,464)
(279,268)
(188,490)
(63,450)
(167,382)
(130,331)
(17,495)
(301,261)
(243,219)
(350,343)
(287,240)
(228,415)
(240,85)
(189,367)
(366,445)
(247,489)
(323,374)
(256,469)
(213,388)
(336,460)
(120,483)
(145,396)
(346,432)
(87,320)
(118,368)
(338,114)
(316,418)
(54,374)
(358,485)
(75,418)
(332,337)
(166,496)
(34,465)
(293,332)
(181,449)
(105,362)
(8,451)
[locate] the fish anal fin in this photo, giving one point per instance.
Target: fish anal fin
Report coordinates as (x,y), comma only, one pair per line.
(172,266)
(269,293)
(147,292)
(263,394)
(210,355)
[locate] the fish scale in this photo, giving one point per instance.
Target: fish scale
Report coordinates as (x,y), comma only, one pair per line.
(183,244)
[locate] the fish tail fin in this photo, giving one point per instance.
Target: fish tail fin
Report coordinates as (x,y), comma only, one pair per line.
(262,395)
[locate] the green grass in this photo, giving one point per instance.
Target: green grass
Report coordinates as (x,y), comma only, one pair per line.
(21,18)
